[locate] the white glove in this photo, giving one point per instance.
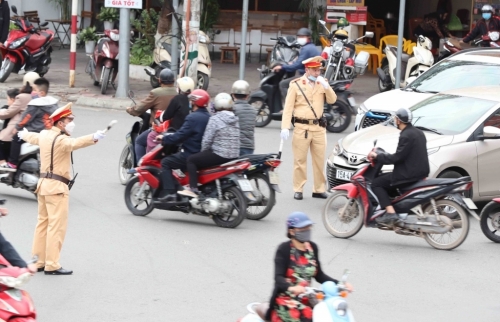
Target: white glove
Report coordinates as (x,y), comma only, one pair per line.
(323,82)
(285,133)
(22,133)
(99,135)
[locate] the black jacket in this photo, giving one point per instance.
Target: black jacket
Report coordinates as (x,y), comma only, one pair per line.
(281,265)
(191,132)
(10,254)
(410,160)
(176,111)
(482,29)
(4,21)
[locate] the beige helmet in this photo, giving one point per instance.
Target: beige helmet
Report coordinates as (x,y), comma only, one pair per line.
(30,78)
(185,84)
(240,87)
(223,101)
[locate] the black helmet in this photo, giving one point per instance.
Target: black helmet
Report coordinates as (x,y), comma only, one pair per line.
(304,32)
(404,115)
(166,76)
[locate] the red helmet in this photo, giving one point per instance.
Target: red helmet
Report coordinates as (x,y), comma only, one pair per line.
(199,98)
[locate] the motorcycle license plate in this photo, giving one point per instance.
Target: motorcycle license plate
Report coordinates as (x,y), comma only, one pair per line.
(469,203)
(274,178)
(245,185)
(344,175)
(150,70)
(352,101)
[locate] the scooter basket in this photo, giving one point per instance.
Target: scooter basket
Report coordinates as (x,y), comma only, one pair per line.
(361,62)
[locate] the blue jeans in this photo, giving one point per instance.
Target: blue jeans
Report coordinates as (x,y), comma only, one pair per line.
(140,145)
(244,151)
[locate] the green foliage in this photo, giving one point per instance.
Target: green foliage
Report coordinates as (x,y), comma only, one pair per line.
(141,53)
(146,24)
(314,13)
(143,61)
(64,7)
(88,34)
(13,26)
(210,14)
(108,14)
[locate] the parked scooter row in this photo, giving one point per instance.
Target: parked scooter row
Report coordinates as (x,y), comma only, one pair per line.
(453,45)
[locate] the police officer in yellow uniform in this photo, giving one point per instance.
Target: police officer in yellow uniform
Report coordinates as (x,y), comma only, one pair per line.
(304,106)
(56,146)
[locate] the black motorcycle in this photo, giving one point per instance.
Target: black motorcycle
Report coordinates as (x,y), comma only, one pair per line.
(285,51)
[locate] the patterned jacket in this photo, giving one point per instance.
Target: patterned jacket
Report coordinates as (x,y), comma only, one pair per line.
(432,23)
(222,135)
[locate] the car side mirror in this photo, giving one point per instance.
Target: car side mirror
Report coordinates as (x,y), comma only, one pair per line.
(491,132)
(14,9)
(369,34)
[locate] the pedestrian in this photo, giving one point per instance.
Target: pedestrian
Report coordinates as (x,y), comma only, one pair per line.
(56,148)
(246,113)
(310,126)
(4,20)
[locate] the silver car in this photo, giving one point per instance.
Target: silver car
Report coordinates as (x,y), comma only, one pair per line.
(462,128)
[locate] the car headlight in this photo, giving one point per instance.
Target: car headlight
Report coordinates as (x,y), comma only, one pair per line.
(338,149)
(362,109)
(18,42)
(432,151)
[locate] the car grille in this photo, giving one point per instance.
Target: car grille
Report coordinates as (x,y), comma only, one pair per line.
(331,176)
(374,118)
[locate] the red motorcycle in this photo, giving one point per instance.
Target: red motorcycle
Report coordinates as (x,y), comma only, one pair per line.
(27,49)
(490,220)
(452,45)
(224,190)
(103,63)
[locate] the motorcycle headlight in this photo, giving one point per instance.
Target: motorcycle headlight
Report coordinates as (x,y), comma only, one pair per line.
(18,42)
(338,149)
(338,46)
(494,35)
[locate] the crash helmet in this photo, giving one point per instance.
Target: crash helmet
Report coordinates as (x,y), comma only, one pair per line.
(343,22)
(167,77)
(223,102)
(487,8)
(199,97)
(185,85)
(304,32)
(404,115)
(30,78)
(240,87)
(341,34)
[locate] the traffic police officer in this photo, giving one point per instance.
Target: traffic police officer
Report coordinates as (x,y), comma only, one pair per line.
(56,146)
(304,103)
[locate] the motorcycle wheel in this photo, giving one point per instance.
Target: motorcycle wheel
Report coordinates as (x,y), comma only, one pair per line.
(239,204)
(105,80)
(203,81)
(125,164)
(342,117)
(261,183)
(6,70)
(490,217)
(263,117)
(381,87)
(353,216)
(134,203)
(454,237)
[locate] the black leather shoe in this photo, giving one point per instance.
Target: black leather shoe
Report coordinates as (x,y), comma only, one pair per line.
(40,269)
(60,271)
(322,195)
(298,196)
(387,219)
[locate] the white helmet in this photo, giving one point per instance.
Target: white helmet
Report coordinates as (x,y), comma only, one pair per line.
(30,78)
(487,8)
(185,84)
(223,101)
(240,87)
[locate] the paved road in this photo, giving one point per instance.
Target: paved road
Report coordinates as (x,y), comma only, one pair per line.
(176,267)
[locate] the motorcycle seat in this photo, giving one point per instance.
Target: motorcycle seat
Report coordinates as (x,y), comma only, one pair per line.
(404,57)
(257,157)
(218,168)
(433,182)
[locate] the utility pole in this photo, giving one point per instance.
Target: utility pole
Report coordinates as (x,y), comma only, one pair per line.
(400,42)
(124,53)
(72,55)
(191,28)
(174,64)
(243,52)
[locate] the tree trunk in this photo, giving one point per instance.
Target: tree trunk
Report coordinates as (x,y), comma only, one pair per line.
(165,21)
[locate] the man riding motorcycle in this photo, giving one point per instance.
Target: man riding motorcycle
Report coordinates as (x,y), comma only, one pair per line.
(411,164)
(489,22)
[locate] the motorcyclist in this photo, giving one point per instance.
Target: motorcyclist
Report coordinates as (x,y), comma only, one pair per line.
(488,22)
(158,100)
(246,114)
(190,135)
(411,164)
(309,50)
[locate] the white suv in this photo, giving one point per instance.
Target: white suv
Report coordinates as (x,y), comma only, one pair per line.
(473,67)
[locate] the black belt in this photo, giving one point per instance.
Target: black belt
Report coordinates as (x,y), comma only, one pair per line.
(54,177)
(304,121)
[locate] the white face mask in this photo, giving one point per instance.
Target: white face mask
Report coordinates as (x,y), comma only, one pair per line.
(302,41)
(70,127)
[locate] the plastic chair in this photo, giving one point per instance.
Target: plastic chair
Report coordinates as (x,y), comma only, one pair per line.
(377,26)
(412,24)
(455,23)
(408,47)
(388,40)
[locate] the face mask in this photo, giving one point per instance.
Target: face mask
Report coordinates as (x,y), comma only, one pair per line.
(70,127)
(34,95)
(303,236)
(312,78)
(302,41)
(487,15)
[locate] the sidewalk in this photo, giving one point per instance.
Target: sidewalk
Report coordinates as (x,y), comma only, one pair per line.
(85,94)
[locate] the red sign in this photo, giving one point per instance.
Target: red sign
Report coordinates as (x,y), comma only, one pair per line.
(360,15)
(350,3)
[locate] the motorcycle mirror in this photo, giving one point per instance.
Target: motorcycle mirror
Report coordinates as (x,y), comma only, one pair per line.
(345,275)
(217,32)
(14,9)
(375,143)
(322,22)
(369,34)
(2,201)
(131,94)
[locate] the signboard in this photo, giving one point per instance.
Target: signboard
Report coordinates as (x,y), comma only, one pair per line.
(127,4)
(349,3)
(355,15)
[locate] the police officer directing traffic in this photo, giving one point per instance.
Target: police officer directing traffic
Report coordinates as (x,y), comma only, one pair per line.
(304,102)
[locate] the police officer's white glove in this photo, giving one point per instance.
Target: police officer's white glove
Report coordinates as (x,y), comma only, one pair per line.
(99,135)
(22,133)
(323,82)
(285,133)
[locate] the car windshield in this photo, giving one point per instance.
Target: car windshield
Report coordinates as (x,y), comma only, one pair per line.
(449,114)
(450,75)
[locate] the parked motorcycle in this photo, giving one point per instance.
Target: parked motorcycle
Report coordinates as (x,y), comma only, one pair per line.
(453,45)
(328,303)
(490,220)
(27,49)
(434,209)
(285,51)
(162,59)
(267,101)
(411,66)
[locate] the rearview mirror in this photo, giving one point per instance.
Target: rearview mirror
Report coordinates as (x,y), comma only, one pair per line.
(322,22)
(369,34)
(14,9)
(490,132)
(131,94)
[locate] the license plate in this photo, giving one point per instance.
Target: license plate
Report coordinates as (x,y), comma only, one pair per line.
(245,185)
(469,203)
(274,178)
(344,175)
(352,101)
(150,70)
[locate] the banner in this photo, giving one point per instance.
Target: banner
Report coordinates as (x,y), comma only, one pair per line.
(128,4)
(349,3)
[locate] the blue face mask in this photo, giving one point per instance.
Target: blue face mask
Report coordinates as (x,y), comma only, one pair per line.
(35,95)
(487,15)
(312,78)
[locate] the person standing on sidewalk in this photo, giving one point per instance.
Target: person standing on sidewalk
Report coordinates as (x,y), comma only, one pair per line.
(304,102)
(246,114)
(56,147)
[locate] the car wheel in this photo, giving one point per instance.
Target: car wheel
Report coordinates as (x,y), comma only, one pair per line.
(450,174)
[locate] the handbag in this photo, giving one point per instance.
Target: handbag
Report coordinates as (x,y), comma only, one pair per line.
(321,121)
